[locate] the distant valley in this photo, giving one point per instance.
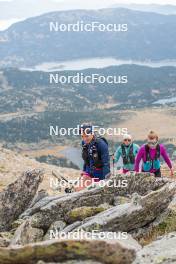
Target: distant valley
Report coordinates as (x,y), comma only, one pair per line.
(29,104)
(146,54)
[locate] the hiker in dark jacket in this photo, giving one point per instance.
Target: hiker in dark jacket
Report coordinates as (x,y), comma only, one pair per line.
(150,154)
(95,154)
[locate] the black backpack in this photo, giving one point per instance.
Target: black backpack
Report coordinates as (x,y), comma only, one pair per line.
(158,153)
(95,155)
(130,158)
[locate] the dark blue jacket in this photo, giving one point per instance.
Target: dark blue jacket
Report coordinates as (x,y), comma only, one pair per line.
(103,153)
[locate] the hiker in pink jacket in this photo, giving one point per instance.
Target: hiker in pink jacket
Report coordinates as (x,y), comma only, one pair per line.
(150,154)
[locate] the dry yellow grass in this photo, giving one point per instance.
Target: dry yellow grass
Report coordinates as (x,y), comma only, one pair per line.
(139,122)
(52,150)
(12,165)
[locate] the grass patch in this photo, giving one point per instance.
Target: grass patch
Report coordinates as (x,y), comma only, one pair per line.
(167,226)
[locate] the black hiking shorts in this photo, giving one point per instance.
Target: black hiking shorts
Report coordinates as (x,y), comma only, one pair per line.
(157,173)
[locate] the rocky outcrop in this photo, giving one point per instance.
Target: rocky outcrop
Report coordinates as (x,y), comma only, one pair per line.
(17,196)
(45,232)
(56,227)
(163,224)
(26,234)
(162,251)
(51,209)
(5,238)
(13,164)
(4,242)
(103,251)
(130,216)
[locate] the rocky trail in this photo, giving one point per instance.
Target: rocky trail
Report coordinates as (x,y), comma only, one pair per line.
(111,223)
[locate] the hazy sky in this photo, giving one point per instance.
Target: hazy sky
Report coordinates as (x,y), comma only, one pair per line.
(16,10)
(109,2)
(93,3)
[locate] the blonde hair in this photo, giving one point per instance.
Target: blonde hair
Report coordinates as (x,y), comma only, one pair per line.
(152,135)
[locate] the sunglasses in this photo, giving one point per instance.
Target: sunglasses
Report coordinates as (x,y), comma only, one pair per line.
(152,143)
(129,140)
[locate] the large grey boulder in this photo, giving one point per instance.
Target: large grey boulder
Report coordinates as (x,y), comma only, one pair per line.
(103,251)
(51,209)
(16,198)
(131,216)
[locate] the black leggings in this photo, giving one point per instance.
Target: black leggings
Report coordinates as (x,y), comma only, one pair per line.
(157,173)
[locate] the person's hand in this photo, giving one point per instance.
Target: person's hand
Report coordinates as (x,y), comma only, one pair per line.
(171,172)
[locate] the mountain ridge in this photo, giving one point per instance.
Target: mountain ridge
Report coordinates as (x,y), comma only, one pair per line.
(30,42)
